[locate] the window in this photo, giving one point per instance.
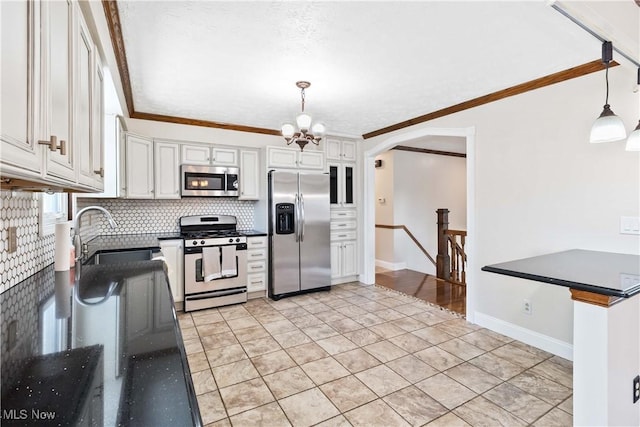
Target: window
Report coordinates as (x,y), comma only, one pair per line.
(53,208)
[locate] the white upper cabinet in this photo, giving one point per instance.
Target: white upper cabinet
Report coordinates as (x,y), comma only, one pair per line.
(139,167)
(279,157)
(97,123)
(340,150)
(208,155)
(166,170)
(49,80)
(83,108)
(249,175)
(19,74)
(57,87)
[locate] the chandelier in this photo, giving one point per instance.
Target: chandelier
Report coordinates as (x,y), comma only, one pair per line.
(306,133)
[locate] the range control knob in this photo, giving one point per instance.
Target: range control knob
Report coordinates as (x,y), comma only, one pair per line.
(237,239)
(230,240)
(195,242)
(202,242)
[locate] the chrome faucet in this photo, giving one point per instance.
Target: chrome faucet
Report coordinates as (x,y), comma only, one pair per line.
(82,249)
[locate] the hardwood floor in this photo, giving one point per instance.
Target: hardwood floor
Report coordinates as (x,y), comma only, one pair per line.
(425,287)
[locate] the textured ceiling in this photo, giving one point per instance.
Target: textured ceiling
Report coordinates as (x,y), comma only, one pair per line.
(371,64)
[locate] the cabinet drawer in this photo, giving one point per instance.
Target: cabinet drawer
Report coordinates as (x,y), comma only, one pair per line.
(256,254)
(343,225)
(256,282)
(343,214)
(256,242)
(343,235)
(256,267)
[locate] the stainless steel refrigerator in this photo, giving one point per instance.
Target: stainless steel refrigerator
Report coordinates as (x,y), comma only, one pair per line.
(299,235)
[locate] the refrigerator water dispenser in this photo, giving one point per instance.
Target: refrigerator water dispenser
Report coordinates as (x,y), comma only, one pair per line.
(285,218)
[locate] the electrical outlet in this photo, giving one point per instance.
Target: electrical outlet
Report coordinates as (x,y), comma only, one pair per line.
(12,235)
(526,307)
(629,225)
(636,388)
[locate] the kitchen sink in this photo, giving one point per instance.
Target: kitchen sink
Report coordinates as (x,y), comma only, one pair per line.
(116,257)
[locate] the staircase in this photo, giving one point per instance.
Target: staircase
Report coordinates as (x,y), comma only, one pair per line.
(451,261)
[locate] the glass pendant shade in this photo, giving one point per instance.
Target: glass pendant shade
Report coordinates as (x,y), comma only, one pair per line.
(318,129)
(607,128)
(304,121)
(633,142)
(288,130)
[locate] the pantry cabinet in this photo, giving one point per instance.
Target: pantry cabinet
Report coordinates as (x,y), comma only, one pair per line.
(343,150)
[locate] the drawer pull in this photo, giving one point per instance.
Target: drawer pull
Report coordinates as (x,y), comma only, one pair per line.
(342,214)
(342,225)
(342,235)
(255,255)
(256,267)
(254,282)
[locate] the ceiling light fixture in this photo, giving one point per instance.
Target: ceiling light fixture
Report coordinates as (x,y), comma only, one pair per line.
(633,142)
(608,127)
(306,133)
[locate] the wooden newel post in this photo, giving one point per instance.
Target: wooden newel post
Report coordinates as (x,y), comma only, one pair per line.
(443,262)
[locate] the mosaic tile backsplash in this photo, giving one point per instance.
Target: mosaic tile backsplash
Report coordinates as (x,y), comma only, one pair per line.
(159,216)
(33,252)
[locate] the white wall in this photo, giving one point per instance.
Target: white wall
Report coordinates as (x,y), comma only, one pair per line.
(415,185)
(385,253)
(424,183)
(541,187)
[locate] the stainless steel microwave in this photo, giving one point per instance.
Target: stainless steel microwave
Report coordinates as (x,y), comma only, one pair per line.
(209,181)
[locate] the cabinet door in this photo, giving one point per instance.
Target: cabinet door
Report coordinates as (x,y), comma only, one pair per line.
(83,73)
(282,157)
(335,186)
(249,175)
(224,156)
(348,152)
(172,252)
(311,160)
(97,123)
(349,259)
(19,73)
(139,167)
(333,149)
(121,144)
(196,154)
(348,183)
(166,170)
(57,87)
(336,259)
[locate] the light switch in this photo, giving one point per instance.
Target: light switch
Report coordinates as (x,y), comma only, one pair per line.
(629,225)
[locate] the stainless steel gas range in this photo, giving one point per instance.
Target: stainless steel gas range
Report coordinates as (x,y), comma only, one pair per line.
(215,261)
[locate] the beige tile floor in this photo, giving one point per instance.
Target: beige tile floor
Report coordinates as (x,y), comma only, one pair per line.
(366,356)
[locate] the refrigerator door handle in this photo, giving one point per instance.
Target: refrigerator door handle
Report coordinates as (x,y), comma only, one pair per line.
(296,223)
(302,218)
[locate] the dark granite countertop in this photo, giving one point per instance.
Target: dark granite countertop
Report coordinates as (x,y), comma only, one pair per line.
(602,273)
(106,350)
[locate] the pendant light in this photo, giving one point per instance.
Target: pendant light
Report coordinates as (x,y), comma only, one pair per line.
(306,133)
(608,127)
(633,142)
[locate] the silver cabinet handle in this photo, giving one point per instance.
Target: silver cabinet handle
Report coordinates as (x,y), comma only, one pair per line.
(53,145)
(100,172)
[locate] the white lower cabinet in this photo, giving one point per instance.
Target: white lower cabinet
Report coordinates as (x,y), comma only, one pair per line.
(344,261)
(173,255)
(256,266)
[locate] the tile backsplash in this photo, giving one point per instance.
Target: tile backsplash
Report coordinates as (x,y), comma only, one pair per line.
(34,252)
(158,216)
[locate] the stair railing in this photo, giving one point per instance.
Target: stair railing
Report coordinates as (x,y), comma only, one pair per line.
(451,261)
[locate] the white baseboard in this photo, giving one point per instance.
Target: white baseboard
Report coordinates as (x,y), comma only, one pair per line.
(527,336)
(390,265)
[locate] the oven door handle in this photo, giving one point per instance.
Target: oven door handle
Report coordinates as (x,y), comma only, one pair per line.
(224,293)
